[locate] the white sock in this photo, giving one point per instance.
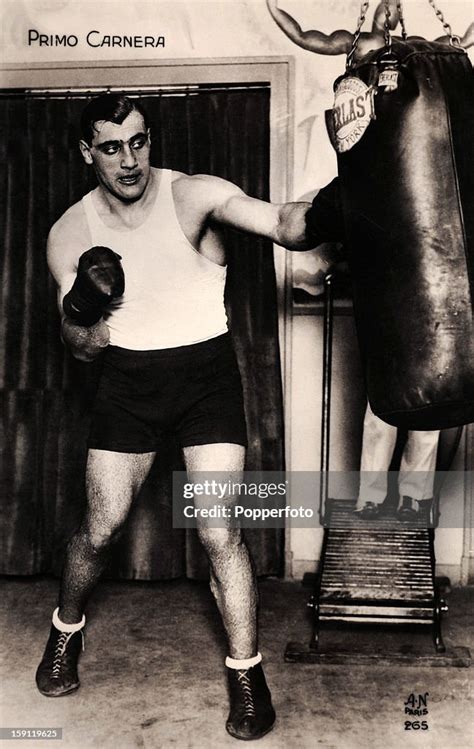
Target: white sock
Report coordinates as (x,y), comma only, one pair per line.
(244,663)
(63,627)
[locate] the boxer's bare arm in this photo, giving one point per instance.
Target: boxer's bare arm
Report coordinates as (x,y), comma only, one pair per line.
(67,240)
(466,41)
(340,41)
(337,43)
(227,204)
(378,23)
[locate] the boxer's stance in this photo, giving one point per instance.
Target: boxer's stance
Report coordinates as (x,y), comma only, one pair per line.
(140,269)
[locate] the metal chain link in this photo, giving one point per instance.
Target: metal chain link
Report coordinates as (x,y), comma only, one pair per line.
(402,20)
(386,26)
(453,39)
(363,11)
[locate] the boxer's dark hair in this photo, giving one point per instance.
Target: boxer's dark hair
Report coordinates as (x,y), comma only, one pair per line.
(110,107)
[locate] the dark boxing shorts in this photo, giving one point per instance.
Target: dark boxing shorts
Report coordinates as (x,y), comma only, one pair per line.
(193,391)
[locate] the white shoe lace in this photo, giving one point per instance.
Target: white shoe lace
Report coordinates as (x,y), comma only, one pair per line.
(244,681)
(59,651)
(61,644)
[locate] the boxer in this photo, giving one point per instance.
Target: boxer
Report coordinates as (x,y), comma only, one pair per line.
(140,269)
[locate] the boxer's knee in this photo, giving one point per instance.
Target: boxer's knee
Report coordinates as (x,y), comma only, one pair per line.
(214,585)
(220,542)
(97,538)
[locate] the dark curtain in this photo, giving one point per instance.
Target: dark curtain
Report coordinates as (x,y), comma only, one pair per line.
(46,395)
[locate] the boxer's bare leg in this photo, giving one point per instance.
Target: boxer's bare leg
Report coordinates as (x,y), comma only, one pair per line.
(112,481)
(232,579)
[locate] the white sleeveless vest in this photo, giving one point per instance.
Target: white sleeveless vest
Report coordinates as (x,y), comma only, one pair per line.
(173,295)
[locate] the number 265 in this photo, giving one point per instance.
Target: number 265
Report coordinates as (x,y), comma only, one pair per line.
(416,725)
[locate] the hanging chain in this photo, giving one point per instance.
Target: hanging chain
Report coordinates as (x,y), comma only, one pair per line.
(363,11)
(402,20)
(386,26)
(453,39)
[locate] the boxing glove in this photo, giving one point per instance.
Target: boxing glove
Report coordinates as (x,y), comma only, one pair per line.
(99,280)
(325,218)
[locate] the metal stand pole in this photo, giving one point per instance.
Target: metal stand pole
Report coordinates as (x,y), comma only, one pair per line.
(326,399)
(342,591)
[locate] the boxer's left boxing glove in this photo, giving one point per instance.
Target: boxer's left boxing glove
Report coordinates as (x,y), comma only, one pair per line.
(325,218)
(99,280)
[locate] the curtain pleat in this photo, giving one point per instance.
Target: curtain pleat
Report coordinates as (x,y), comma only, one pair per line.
(46,395)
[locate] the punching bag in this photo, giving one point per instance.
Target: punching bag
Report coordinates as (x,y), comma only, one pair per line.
(406,165)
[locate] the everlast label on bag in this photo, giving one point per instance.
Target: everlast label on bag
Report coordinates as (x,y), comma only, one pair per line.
(353,109)
(407,192)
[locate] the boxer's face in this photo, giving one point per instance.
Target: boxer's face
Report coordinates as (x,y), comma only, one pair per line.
(120,155)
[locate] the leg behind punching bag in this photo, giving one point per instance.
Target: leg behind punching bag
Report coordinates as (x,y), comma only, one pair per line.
(408,195)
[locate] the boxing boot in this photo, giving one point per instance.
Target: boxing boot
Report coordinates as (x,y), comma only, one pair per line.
(57,673)
(251,713)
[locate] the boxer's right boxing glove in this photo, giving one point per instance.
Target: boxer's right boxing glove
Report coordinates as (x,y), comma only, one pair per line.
(99,280)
